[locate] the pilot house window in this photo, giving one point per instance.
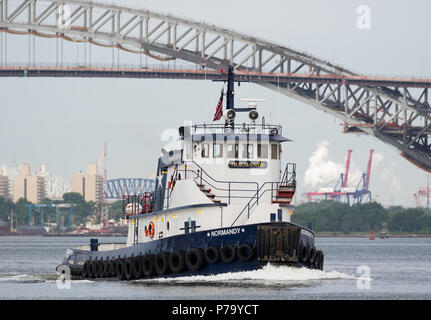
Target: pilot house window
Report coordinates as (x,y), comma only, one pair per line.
(233,151)
(247,151)
(262,151)
(274,151)
(205,153)
(217,150)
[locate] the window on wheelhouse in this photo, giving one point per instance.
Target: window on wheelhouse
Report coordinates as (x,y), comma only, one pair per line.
(247,151)
(274,151)
(205,152)
(233,151)
(262,151)
(217,150)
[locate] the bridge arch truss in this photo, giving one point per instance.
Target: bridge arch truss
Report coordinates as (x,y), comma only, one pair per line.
(396,111)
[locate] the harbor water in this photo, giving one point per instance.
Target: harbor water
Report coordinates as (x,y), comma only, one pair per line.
(355,268)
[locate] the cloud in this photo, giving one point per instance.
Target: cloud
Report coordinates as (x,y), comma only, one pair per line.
(388,174)
(321,170)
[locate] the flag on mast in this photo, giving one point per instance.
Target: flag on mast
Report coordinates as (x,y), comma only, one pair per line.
(219,110)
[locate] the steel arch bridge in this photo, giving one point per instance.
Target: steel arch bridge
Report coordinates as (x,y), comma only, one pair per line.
(396,111)
(116,188)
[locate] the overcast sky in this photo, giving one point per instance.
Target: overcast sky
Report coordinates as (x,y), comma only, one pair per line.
(65,122)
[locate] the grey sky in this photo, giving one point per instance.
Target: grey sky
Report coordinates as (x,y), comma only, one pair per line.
(64,122)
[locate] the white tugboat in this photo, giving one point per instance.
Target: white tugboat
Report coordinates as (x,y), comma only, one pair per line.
(221,204)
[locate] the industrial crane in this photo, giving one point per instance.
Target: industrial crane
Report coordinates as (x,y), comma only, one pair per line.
(343,191)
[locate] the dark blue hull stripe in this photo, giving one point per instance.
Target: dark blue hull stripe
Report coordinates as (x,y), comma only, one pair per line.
(235,236)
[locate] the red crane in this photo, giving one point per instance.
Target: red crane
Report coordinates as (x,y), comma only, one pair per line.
(418,202)
(370,159)
(346,175)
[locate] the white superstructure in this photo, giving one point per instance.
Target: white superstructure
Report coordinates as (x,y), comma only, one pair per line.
(223,175)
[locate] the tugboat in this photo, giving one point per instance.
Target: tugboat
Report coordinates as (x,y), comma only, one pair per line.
(222,203)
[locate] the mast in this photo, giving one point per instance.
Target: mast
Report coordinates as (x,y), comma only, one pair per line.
(230,89)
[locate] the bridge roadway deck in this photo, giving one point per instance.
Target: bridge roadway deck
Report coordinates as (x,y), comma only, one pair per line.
(243,76)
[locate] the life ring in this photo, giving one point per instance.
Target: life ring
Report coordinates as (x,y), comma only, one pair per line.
(228,253)
(137,267)
(148,265)
(128,268)
(177,261)
(151,230)
(161,263)
(245,252)
(195,259)
(212,254)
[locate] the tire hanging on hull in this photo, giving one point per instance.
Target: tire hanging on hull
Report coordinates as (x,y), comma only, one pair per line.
(120,270)
(128,269)
(195,259)
(245,252)
(148,265)
(161,263)
(177,261)
(228,253)
(137,267)
(212,254)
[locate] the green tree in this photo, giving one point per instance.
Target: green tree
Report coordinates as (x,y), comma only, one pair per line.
(116,210)
(5,209)
(81,210)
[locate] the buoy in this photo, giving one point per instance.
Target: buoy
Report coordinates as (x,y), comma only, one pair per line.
(371,237)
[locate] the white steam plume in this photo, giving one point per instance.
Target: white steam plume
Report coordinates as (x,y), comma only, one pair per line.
(323,172)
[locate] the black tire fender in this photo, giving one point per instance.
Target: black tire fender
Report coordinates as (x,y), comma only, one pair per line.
(195,259)
(303,250)
(161,263)
(137,267)
(93,269)
(85,268)
(148,265)
(228,253)
(121,275)
(245,252)
(100,269)
(212,254)
(311,255)
(128,269)
(177,261)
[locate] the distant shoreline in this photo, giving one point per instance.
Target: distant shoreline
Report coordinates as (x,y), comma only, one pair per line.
(366,235)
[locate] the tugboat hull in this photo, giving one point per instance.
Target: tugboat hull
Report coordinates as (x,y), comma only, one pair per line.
(216,251)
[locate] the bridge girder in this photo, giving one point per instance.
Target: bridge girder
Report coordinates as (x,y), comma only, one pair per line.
(399,116)
(116,188)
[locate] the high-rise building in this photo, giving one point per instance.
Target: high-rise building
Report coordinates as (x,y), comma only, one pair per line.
(89,185)
(27,186)
(4,183)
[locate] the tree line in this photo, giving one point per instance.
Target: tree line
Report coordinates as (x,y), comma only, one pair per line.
(332,216)
(82,211)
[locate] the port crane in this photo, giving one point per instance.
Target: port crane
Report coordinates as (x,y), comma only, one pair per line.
(342,192)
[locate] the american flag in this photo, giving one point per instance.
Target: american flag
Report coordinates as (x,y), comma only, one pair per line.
(219,110)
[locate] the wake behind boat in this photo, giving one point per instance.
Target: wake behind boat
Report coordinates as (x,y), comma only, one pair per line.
(222,203)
